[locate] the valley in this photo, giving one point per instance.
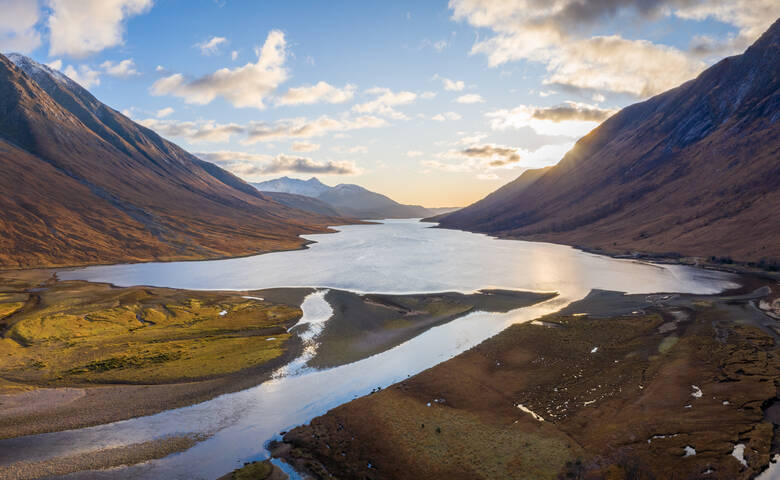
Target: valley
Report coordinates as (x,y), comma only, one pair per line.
(229,246)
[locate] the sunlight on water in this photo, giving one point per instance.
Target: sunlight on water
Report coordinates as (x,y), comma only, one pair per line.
(399,256)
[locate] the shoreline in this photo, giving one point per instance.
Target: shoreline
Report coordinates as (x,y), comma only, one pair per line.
(56,403)
(616,413)
(185,393)
(302,246)
(735,267)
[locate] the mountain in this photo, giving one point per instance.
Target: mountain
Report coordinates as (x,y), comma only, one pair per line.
(692,171)
(495,200)
(302,202)
(83,184)
(308,188)
(347,199)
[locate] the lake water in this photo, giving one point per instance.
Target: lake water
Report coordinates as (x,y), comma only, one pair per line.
(397,256)
(407,256)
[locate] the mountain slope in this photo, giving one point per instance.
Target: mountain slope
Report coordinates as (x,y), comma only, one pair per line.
(302,202)
(348,199)
(496,199)
(83,184)
(693,171)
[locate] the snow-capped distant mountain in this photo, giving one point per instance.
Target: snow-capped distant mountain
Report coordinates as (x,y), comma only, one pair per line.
(348,199)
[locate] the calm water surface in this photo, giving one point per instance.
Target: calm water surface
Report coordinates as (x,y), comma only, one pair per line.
(398,256)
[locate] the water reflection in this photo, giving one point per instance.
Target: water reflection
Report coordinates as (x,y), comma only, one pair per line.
(395,257)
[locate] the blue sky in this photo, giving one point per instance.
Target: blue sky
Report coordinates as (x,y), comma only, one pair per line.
(429,102)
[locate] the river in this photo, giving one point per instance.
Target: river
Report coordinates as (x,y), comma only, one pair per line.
(396,256)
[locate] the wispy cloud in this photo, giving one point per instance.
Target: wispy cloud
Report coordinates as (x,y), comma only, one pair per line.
(195,132)
(211,46)
(255,132)
(470,98)
(384,102)
(164,112)
(485,159)
(251,164)
(570,119)
(349,150)
(441,117)
(295,128)
(304,147)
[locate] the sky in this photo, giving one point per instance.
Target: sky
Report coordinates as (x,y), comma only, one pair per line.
(435,103)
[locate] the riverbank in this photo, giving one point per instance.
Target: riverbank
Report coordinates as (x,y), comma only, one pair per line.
(77,354)
(613,386)
(768,268)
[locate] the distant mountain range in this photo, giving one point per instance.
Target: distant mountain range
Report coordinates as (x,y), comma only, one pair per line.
(693,171)
(346,200)
(81,183)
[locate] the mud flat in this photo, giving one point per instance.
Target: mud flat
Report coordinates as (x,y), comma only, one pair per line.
(364,325)
(614,386)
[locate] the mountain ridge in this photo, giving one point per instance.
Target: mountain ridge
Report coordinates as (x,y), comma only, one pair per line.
(88,185)
(692,171)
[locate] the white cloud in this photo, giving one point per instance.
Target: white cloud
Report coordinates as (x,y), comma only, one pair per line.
(614,64)
(159,68)
(569,119)
(440,117)
(84,76)
(84,27)
(246,86)
(252,164)
(17,26)
(553,33)
(164,112)
(414,153)
(210,46)
(125,68)
(470,98)
(384,102)
(451,85)
(195,132)
(320,92)
(55,64)
(752,17)
(234,54)
(304,147)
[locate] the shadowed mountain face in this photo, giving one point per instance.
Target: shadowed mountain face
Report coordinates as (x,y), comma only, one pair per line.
(693,171)
(347,199)
(84,184)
